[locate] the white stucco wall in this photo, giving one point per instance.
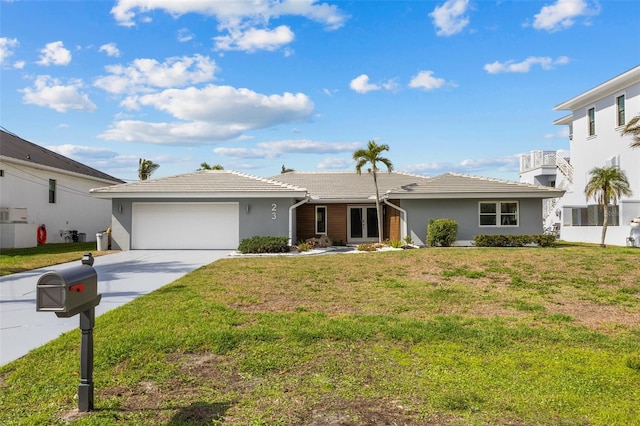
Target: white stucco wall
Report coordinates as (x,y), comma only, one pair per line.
(587,152)
(25,186)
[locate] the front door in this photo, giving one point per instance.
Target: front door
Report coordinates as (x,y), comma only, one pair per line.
(363,224)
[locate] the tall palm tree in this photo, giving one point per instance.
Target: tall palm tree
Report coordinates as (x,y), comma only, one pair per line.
(371,155)
(633,128)
(206,166)
(607,184)
(146,168)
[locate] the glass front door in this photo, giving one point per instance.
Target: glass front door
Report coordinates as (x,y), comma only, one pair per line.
(363,224)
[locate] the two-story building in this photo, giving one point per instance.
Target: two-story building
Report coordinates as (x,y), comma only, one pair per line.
(596,120)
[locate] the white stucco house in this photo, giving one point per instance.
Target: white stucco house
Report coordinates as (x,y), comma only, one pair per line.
(595,124)
(40,187)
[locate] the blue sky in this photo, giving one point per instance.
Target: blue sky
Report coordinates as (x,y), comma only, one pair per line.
(451,86)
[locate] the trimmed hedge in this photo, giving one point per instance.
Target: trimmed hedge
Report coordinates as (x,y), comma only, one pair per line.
(542,240)
(260,244)
(442,232)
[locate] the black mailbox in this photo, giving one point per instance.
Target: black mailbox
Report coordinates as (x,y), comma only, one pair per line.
(68,292)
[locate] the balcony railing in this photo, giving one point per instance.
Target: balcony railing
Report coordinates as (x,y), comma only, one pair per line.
(537,159)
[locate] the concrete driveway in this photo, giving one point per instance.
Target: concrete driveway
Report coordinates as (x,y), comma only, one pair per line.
(122,277)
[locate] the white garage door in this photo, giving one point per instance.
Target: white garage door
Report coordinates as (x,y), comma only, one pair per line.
(201,226)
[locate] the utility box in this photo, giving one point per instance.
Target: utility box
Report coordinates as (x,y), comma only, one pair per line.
(68,292)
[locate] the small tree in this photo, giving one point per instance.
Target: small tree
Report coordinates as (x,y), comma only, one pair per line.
(633,128)
(146,168)
(206,166)
(606,185)
(372,156)
(286,170)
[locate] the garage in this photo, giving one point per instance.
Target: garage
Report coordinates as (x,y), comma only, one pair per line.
(196,226)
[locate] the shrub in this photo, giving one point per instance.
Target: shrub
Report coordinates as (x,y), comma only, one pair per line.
(367,247)
(264,244)
(484,240)
(442,232)
(302,246)
(395,243)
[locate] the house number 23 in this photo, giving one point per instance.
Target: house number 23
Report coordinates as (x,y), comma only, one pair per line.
(274,211)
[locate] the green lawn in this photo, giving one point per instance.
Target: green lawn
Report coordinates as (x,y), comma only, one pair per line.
(26,259)
(459,336)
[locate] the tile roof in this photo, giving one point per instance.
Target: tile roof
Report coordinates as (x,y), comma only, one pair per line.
(209,183)
(347,185)
(12,146)
(455,185)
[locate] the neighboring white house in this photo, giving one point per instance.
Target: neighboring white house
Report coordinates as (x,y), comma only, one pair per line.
(595,134)
(40,187)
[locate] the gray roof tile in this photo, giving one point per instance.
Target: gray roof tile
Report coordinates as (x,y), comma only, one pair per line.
(203,182)
(13,146)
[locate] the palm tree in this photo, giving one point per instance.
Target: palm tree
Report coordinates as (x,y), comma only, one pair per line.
(371,155)
(607,184)
(633,128)
(206,166)
(146,168)
(286,170)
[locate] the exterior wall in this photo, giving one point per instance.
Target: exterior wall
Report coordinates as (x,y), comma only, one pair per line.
(337,217)
(24,186)
(264,217)
(588,152)
(466,213)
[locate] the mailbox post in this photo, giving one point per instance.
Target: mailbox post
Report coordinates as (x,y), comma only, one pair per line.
(67,293)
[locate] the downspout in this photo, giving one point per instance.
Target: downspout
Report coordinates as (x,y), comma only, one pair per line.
(307,198)
(403,229)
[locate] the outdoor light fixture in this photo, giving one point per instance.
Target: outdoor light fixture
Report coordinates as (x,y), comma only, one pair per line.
(248,208)
(120,208)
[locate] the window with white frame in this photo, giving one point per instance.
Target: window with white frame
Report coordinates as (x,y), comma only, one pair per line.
(52,191)
(499,213)
(591,115)
(620,119)
(321,219)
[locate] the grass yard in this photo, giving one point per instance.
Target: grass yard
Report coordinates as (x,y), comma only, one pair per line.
(458,336)
(19,260)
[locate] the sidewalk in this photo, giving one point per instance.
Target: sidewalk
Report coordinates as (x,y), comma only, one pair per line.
(122,277)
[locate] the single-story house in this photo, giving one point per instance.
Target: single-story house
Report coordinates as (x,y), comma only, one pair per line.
(41,187)
(216,209)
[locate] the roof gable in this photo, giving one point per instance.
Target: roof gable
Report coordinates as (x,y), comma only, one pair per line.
(12,146)
(351,186)
(202,183)
(455,185)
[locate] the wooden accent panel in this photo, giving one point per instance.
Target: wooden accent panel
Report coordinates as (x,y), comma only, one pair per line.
(336,222)
(392,221)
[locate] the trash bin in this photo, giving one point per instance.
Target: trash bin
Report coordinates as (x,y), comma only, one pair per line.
(101,241)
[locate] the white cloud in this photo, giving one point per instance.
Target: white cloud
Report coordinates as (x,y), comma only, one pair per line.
(50,92)
(213,113)
(143,74)
(54,53)
(6,48)
(361,84)
(184,35)
(561,14)
(83,153)
(19,65)
(277,149)
(309,147)
(510,164)
(245,153)
(335,163)
(545,62)
(110,49)
(450,18)
(330,16)
(255,39)
(246,23)
(425,80)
